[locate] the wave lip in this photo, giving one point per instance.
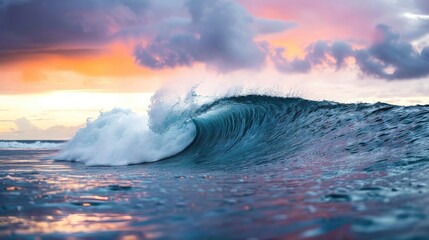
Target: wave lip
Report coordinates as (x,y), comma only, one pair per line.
(31,145)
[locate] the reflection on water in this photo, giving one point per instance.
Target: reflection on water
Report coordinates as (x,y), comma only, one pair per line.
(72,223)
(13,188)
(43,198)
(75,223)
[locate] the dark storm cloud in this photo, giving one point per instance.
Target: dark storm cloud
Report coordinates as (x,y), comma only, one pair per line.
(26,25)
(388,57)
(220,34)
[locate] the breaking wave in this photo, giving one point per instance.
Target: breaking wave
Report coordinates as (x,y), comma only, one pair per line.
(254,130)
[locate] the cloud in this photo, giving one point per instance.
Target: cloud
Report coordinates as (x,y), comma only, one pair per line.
(269,26)
(284,65)
(26,130)
(220,33)
(422,6)
(388,57)
(318,53)
(351,20)
(29,25)
(340,51)
(393,59)
(7,56)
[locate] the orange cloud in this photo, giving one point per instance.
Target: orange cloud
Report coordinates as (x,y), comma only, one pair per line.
(114,60)
(108,70)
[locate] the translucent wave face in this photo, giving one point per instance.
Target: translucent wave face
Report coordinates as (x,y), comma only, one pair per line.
(122,137)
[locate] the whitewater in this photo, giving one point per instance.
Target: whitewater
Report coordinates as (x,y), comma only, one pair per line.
(31,144)
(237,165)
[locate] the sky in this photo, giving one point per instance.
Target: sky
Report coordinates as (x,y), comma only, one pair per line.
(62,62)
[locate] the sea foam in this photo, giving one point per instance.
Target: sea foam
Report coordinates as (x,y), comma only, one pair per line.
(30,145)
(121,137)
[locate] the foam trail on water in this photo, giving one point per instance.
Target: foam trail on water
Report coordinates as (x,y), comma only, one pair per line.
(29,145)
(122,137)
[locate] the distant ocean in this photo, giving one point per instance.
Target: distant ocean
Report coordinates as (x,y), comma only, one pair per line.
(237,167)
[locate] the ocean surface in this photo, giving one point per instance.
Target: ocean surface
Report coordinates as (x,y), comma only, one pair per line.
(238,167)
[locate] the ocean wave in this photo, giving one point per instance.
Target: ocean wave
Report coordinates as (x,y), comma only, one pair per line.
(252,130)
